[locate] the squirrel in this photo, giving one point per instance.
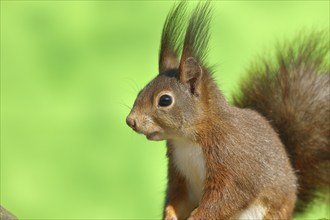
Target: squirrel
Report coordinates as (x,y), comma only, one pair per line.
(262,157)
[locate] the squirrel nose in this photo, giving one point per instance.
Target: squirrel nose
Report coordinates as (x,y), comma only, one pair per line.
(131,122)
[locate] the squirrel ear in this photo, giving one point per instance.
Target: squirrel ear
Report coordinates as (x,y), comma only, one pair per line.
(168,61)
(191,74)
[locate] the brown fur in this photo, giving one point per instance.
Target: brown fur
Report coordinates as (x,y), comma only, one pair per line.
(294,95)
(246,157)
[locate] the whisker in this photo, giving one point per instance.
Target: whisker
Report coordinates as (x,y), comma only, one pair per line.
(127,106)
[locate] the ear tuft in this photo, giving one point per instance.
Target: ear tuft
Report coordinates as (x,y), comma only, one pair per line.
(197,34)
(172,37)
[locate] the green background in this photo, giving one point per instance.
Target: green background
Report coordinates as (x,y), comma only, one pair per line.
(69,73)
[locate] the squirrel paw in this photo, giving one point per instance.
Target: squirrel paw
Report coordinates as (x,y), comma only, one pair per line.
(170,213)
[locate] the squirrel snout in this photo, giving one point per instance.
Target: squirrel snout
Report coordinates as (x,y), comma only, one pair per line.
(131,122)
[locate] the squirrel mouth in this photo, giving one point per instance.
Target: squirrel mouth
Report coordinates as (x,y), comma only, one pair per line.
(154,136)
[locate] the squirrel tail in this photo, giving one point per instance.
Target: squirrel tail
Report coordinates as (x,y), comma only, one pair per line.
(292,91)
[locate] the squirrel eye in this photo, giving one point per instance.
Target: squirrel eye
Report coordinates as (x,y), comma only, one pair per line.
(165,100)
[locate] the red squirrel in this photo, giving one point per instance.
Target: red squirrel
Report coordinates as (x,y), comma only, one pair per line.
(254,159)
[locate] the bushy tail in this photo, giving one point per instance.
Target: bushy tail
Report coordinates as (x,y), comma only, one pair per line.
(292,91)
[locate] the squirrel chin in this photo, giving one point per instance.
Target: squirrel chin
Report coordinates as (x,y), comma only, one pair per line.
(154,136)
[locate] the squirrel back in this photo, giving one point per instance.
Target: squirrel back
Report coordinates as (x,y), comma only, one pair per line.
(293,93)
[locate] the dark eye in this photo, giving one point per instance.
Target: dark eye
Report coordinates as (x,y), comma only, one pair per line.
(165,100)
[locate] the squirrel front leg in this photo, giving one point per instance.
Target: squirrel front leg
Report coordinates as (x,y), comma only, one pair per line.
(219,203)
(223,196)
(177,204)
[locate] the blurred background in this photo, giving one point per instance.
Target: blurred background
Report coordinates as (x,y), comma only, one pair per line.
(70,71)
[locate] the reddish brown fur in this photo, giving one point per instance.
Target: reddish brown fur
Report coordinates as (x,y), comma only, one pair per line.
(246,156)
(294,95)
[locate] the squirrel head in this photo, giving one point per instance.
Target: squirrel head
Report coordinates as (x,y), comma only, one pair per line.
(181,95)
(166,108)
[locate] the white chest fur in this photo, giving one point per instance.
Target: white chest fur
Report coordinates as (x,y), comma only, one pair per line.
(189,160)
(253,212)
